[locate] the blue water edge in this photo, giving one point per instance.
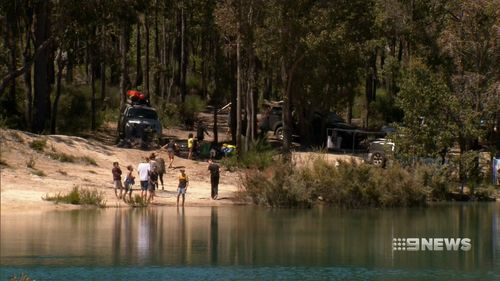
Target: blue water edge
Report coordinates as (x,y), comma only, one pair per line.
(239,273)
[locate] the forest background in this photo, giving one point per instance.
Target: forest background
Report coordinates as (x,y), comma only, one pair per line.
(381,61)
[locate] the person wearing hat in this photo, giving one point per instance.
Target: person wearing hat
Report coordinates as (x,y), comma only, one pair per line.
(183,185)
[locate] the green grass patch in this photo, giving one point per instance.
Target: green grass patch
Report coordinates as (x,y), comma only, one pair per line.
(79,196)
(38,145)
(62,157)
(88,160)
(138,201)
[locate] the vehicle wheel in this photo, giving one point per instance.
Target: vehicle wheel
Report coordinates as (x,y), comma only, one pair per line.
(378,159)
(279,133)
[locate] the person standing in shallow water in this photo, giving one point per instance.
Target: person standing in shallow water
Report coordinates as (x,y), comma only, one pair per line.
(183,185)
(214,178)
(117,179)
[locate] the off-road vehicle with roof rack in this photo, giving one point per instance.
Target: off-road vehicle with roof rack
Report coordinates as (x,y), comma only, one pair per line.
(139,122)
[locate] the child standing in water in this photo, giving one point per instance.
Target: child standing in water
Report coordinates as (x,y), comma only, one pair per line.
(183,185)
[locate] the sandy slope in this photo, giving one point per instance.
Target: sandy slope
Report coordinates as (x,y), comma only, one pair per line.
(22,189)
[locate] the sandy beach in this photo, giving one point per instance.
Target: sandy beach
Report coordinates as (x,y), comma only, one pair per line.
(22,188)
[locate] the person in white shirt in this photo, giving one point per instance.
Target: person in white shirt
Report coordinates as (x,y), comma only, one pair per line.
(143,171)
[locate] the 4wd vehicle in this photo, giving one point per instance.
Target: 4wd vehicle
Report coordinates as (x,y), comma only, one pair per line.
(273,121)
(379,150)
(139,122)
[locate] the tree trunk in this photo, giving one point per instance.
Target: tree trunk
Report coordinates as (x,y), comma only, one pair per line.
(103,84)
(146,61)
(138,65)
(27,81)
(183,61)
(216,127)
(41,110)
(238,94)
(124,48)
(55,105)
(10,41)
(102,67)
(93,110)
(156,74)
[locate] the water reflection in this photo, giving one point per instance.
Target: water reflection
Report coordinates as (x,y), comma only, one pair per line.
(243,236)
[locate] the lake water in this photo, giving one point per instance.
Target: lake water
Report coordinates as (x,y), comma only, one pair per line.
(249,243)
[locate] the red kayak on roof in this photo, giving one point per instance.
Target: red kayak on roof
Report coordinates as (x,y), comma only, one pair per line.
(135,95)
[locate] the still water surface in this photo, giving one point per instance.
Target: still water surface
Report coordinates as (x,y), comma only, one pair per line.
(249,243)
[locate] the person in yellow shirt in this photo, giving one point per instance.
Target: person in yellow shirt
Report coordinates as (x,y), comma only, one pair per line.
(190,145)
(183,185)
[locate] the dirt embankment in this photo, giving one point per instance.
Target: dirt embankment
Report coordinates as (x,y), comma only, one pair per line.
(67,161)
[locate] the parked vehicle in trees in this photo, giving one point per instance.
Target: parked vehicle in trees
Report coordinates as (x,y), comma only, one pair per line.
(139,122)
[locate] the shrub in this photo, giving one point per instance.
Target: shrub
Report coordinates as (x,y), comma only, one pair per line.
(138,201)
(88,160)
(190,109)
(38,145)
(284,189)
(31,162)
(62,157)
(79,196)
(74,113)
(17,137)
(259,156)
(170,114)
(38,173)
(348,185)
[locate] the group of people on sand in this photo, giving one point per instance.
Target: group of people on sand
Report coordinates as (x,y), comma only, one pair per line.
(150,172)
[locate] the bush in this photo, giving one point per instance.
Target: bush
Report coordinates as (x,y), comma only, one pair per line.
(62,157)
(190,109)
(283,189)
(348,185)
(38,145)
(74,114)
(79,196)
(88,160)
(260,155)
(138,201)
(170,115)
(31,162)
(38,173)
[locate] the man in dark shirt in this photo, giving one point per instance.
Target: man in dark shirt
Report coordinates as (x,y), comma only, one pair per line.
(117,178)
(214,178)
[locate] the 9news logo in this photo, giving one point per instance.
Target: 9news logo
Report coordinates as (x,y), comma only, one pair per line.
(431,244)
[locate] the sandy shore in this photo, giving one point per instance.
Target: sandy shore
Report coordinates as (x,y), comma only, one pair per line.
(22,187)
